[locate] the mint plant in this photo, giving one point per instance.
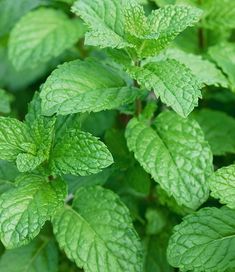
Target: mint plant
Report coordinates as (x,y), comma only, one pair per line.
(117,135)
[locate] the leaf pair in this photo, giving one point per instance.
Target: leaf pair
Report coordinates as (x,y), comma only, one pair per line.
(35,142)
(96,232)
(123,24)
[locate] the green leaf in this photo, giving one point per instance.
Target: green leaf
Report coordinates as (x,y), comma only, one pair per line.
(5,101)
(42,130)
(13,136)
(219,130)
(205,71)
(79,153)
(39,255)
(204,241)
(172,81)
(153,33)
(25,209)
(41,35)
(105,20)
(85,86)
(224,56)
(176,154)
(222,185)
(12,10)
(97,233)
(128,27)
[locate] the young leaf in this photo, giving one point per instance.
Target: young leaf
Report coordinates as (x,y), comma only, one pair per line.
(105,19)
(204,241)
(42,130)
(13,137)
(39,255)
(172,81)
(81,86)
(224,56)
(41,35)
(205,71)
(219,130)
(160,28)
(222,185)
(25,209)
(79,153)
(97,233)
(176,154)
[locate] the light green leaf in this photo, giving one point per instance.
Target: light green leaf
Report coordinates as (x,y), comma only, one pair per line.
(42,130)
(105,20)
(219,130)
(205,71)
(204,241)
(39,255)
(172,81)
(25,209)
(13,135)
(128,27)
(224,56)
(97,232)
(222,185)
(41,35)
(79,153)
(85,86)
(176,154)
(153,33)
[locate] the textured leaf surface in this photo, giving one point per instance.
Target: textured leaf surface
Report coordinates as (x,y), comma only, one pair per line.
(105,20)
(127,26)
(222,185)
(25,209)
(219,130)
(175,154)
(39,255)
(160,28)
(172,81)
(97,233)
(224,55)
(205,71)
(41,35)
(13,135)
(204,241)
(81,86)
(79,153)
(42,130)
